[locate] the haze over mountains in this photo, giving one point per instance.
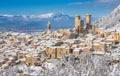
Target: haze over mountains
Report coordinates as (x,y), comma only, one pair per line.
(110,21)
(36,23)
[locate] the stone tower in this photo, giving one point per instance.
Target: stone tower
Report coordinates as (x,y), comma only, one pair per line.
(88,21)
(77,22)
(81,26)
(49,26)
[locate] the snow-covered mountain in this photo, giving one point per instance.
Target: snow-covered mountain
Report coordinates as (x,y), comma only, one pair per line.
(26,23)
(36,23)
(110,21)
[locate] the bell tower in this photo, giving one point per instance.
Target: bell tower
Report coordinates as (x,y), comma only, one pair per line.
(49,26)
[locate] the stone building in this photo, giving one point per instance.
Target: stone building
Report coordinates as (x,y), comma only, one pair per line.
(79,24)
(88,22)
(49,26)
(116,36)
(57,51)
(77,21)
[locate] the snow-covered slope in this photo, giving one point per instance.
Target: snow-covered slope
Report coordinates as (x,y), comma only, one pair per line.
(112,20)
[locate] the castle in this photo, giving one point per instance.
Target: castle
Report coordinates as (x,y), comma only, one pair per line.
(79,24)
(79,28)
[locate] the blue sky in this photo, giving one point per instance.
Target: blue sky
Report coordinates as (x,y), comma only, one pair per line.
(70,7)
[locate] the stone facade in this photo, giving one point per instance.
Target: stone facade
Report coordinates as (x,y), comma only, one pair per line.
(116,36)
(57,52)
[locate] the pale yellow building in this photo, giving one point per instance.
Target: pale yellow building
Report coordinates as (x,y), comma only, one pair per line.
(116,36)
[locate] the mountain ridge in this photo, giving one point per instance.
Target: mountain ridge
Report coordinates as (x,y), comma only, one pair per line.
(110,21)
(36,22)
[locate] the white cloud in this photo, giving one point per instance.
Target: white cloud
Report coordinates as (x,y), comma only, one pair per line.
(75,3)
(98,3)
(107,1)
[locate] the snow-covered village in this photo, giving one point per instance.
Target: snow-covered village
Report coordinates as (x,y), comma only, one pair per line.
(56,44)
(85,50)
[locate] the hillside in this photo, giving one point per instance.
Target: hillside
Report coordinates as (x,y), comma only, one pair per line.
(110,21)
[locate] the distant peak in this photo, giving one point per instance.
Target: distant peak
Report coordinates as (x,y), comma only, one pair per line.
(116,9)
(46,15)
(110,21)
(49,15)
(6,15)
